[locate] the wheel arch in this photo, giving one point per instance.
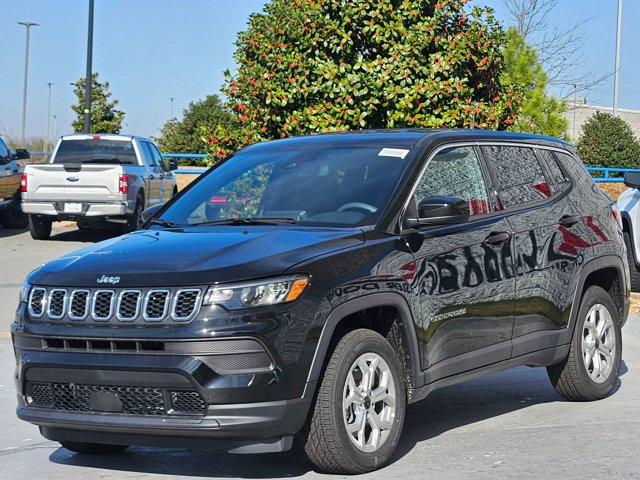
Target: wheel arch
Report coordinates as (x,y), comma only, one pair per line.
(604,272)
(342,319)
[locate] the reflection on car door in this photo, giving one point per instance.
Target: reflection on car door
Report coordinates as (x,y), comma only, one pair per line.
(155,180)
(465,272)
(550,240)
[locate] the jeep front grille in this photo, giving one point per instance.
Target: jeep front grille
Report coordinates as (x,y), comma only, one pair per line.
(37,301)
(125,305)
(56,303)
(102,304)
(155,305)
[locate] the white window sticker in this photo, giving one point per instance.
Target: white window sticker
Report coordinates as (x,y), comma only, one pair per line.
(393,152)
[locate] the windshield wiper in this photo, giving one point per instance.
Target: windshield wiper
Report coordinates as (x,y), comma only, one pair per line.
(164,223)
(247,221)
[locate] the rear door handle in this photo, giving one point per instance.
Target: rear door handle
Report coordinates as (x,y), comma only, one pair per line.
(152,177)
(497,238)
(568,220)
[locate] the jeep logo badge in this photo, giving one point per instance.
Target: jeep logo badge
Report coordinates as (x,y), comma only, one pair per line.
(106,279)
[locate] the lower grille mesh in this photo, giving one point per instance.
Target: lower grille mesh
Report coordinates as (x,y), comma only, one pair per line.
(134,400)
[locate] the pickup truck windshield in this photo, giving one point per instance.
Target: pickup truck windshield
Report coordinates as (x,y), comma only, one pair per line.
(322,185)
(96,151)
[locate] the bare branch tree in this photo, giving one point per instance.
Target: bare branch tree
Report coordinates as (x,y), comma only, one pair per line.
(560,50)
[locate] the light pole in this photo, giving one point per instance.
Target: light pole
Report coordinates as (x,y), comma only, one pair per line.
(575,106)
(46,137)
(28,26)
(171,100)
(88,82)
(616,73)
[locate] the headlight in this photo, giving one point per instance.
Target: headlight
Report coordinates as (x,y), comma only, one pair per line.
(24,291)
(256,294)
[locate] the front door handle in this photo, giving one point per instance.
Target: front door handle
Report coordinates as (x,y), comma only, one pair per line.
(152,177)
(568,220)
(497,238)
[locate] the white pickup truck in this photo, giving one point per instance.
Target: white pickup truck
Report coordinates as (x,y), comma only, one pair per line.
(92,179)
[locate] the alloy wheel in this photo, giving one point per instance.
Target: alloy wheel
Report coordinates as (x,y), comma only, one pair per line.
(598,343)
(369,402)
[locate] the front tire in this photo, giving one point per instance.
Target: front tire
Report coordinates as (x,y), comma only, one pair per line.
(590,371)
(93,448)
(357,418)
(40,227)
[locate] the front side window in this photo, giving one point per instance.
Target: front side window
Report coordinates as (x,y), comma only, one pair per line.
(519,175)
(319,184)
(456,172)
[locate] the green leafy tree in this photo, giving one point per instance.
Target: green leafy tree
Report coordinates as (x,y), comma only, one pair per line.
(105,118)
(185,136)
(608,141)
(523,73)
(309,66)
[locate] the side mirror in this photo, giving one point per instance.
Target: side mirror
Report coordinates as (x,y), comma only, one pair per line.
(632,179)
(172,163)
(22,154)
(147,213)
(441,210)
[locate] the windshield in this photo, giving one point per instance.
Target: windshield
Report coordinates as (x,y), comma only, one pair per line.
(95,151)
(320,185)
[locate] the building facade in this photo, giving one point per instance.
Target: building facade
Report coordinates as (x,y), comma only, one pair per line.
(578,113)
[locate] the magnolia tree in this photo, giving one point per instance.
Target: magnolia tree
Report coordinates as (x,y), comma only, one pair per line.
(309,66)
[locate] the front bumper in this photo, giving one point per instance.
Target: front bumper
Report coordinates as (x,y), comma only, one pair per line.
(89,209)
(226,423)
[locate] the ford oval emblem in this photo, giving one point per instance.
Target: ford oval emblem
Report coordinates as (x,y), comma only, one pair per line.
(72,179)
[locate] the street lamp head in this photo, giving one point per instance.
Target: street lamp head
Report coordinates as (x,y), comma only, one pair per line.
(29,24)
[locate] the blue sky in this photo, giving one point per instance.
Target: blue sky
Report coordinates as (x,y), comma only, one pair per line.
(151,50)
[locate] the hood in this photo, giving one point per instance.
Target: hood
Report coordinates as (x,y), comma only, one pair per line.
(194,256)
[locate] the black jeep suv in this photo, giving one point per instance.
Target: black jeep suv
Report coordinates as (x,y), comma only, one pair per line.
(312,287)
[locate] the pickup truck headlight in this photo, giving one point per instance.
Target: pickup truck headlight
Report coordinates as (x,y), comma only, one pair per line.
(257,294)
(24,291)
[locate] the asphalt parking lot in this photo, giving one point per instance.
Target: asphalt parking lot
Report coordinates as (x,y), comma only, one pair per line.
(508,425)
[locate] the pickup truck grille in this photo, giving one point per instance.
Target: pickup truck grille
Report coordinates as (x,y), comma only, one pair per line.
(154,305)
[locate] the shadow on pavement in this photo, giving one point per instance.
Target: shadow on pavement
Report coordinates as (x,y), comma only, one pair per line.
(453,407)
(9,232)
(88,235)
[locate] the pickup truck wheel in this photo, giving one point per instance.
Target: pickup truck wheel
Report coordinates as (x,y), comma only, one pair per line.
(634,273)
(357,418)
(39,227)
(590,371)
(93,448)
(13,217)
(135,220)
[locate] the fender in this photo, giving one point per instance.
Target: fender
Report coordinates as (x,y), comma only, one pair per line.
(626,220)
(599,263)
(383,299)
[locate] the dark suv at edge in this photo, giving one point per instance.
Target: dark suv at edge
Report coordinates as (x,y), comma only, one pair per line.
(314,286)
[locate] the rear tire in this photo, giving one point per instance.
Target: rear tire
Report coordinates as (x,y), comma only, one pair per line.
(40,227)
(348,431)
(13,217)
(93,448)
(590,371)
(135,220)
(634,273)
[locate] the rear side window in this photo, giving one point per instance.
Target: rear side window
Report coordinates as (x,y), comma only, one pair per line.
(455,171)
(519,175)
(96,151)
(557,177)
